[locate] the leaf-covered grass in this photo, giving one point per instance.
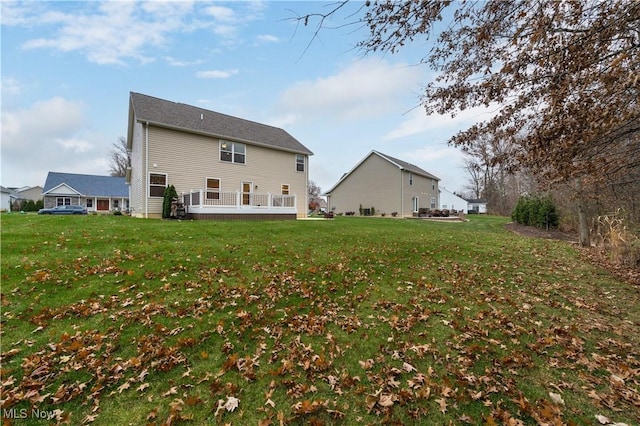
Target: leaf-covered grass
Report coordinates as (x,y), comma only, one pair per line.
(113,320)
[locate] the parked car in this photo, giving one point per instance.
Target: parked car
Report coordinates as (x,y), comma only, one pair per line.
(64,210)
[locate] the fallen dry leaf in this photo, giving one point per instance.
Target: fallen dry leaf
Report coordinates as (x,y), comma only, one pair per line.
(557,398)
(231,404)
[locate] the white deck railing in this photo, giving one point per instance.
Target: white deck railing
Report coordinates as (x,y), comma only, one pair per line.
(207,199)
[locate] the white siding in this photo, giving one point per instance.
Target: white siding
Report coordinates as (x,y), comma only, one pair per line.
(138,172)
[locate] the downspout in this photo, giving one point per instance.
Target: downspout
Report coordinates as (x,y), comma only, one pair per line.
(146,170)
(401,193)
(305,208)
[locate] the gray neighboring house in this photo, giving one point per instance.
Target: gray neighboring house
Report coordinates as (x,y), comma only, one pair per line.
(384,184)
(96,193)
(33,193)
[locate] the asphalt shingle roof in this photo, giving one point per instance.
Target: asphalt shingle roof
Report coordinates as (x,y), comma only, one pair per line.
(186,117)
(398,163)
(89,185)
(407,166)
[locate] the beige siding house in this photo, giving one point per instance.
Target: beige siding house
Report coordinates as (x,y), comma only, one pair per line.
(222,167)
(382,184)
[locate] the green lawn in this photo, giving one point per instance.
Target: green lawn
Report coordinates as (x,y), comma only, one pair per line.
(112,320)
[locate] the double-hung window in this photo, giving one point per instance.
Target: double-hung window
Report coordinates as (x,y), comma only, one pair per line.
(299,163)
(63,201)
(213,189)
(157,184)
(232,152)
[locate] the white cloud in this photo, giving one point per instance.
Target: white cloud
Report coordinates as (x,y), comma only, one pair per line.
(267,38)
(49,135)
(74,144)
(418,122)
(55,117)
(114,32)
(441,160)
(217,74)
(178,63)
(365,89)
(221,13)
(228,23)
(11,86)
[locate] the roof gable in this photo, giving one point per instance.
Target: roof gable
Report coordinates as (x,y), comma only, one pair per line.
(12,193)
(402,165)
(185,117)
(86,185)
(62,189)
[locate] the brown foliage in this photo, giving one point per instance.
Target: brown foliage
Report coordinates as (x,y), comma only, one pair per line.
(564,75)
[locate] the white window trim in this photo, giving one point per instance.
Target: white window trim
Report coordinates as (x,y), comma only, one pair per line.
(64,201)
(304,163)
(166,183)
(206,185)
(233,152)
(249,194)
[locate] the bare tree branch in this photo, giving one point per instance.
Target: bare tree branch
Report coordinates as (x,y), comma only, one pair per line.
(120,158)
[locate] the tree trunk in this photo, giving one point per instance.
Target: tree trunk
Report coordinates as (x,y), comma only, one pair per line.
(583,223)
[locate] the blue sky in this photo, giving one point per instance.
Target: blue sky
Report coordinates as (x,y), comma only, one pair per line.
(68,68)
